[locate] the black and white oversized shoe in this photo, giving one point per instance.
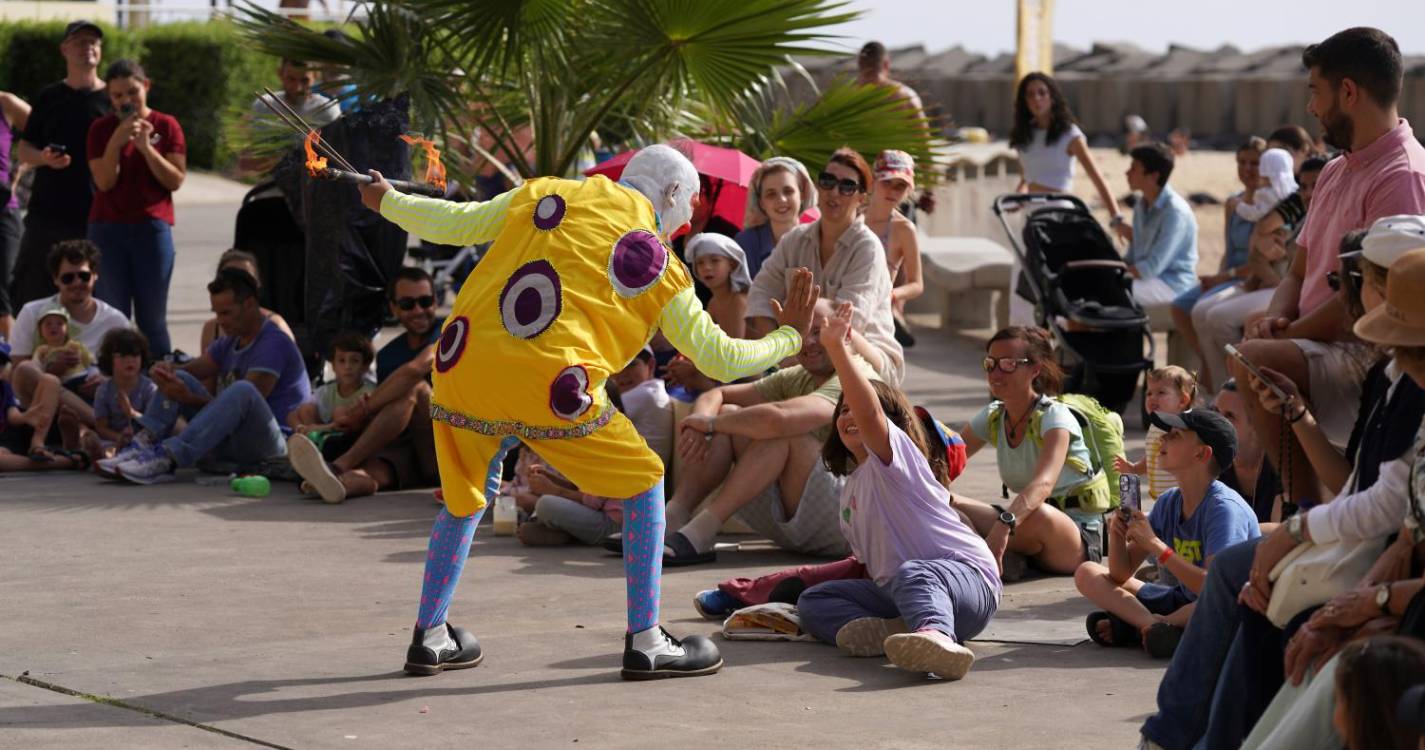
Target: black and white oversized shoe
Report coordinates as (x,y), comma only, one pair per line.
(653,654)
(442,647)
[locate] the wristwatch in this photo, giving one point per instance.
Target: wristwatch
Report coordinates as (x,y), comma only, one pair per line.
(1293,527)
(1006,518)
(1383,598)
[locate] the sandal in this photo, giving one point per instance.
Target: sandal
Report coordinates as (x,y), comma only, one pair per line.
(678,552)
(81,459)
(1162,640)
(1122,633)
(42,455)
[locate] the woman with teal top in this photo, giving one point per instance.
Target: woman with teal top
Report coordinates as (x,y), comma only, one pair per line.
(1055,514)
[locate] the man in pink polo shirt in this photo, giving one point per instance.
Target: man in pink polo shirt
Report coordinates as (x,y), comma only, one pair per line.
(1354,80)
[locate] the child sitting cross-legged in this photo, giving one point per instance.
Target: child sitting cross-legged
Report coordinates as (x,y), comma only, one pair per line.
(351,358)
(122,399)
(1186,528)
(933,582)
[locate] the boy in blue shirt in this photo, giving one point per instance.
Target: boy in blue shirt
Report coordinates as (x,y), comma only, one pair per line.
(1186,528)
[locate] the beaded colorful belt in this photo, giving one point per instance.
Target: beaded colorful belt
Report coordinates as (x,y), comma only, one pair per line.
(498,427)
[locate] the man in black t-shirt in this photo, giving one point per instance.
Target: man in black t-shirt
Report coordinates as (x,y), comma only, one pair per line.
(54,142)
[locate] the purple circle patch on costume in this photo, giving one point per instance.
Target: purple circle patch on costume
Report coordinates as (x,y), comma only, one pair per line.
(568,394)
(532,300)
(452,343)
(548,212)
(638,261)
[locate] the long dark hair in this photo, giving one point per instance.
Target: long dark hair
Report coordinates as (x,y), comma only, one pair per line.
(838,458)
(1039,350)
(1371,677)
(1060,116)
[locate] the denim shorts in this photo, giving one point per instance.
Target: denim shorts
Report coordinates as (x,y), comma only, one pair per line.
(1162,600)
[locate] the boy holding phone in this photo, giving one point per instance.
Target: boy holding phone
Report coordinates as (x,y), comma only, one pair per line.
(1186,527)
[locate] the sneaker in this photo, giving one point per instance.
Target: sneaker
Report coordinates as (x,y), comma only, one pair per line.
(930,651)
(307,459)
(715,605)
(866,636)
(109,467)
(442,647)
(152,466)
(1162,640)
(667,656)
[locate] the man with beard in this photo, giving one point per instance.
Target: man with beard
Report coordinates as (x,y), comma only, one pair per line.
(1355,81)
(386,442)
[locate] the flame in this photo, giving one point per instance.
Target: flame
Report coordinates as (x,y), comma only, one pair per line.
(435,171)
(315,164)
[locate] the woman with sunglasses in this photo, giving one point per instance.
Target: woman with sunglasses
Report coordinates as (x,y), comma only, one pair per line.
(1043,520)
(846,259)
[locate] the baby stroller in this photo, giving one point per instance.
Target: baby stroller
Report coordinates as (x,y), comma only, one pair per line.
(1082,293)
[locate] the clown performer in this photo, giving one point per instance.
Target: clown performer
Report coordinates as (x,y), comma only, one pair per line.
(575,284)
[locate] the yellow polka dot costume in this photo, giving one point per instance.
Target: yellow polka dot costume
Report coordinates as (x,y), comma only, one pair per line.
(574,285)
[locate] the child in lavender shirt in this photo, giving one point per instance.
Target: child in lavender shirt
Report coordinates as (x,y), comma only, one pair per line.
(930,573)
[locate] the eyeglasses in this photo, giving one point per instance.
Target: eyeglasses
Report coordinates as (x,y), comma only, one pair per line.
(426,301)
(827,181)
(1333,279)
(68,277)
(1005,364)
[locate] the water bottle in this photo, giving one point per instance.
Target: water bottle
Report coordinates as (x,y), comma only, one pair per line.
(251,486)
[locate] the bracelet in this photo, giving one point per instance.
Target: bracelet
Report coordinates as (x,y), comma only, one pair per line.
(1299,416)
(1163,558)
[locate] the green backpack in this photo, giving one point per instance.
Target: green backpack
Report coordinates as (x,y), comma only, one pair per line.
(1103,435)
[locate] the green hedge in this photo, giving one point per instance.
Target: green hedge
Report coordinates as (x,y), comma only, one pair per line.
(201,72)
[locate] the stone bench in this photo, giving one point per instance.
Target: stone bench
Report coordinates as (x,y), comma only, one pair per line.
(1160,320)
(962,277)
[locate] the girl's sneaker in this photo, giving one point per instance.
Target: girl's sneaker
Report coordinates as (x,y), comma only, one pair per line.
(930,651)
(715,605)
(866,636)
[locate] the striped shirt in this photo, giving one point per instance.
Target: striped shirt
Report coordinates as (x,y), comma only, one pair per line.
(445,222)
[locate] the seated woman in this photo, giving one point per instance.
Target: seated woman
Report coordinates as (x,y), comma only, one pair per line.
(845,258)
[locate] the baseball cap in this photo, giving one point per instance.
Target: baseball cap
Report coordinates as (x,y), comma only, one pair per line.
(1400,321)
(894,165)
(76,27)
(1392,236)
(1211,428)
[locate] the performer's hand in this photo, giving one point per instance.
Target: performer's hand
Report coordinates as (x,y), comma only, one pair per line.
(372,194)
(800,304)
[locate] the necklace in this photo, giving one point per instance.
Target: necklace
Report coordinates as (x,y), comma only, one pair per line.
(1018,422)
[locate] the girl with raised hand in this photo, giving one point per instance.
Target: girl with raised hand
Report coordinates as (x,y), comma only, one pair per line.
(933,582)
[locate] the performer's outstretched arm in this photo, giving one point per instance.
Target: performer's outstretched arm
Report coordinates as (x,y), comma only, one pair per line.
(446,222)
(692,331)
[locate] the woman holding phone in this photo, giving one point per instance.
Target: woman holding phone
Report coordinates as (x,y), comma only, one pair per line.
(138,157)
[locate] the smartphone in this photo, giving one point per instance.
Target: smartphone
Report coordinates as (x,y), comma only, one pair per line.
(1130,495)
(126,109)
(1242,359)
(58,148)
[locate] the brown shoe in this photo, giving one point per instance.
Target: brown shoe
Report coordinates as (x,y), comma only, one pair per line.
(536,534)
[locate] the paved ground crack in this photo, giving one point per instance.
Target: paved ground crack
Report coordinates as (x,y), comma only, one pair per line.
(118,703)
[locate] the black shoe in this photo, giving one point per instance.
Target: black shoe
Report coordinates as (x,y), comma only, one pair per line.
(1163,640)
(440,648)
(614,543)
(693,656)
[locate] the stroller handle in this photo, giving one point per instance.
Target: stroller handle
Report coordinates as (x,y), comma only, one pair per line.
(1016,201)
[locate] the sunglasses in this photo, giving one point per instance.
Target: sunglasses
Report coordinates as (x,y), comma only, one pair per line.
(69,277)
(1333,279)
(1005,364)
(426,301)
(828,181)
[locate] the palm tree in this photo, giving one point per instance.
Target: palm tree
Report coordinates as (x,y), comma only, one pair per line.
(641,70)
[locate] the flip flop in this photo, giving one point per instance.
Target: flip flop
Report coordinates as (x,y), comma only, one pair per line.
(678,552)
(41,455)
(1123,633)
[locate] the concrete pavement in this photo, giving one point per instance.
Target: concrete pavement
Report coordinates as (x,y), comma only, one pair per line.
(191,617)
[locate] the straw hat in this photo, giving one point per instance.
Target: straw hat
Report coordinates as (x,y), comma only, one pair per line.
(1401,320)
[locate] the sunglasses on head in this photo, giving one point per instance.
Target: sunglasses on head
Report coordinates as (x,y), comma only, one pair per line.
(1005,364)
(68,277)
(828,181)
(1333,278)
(409,303)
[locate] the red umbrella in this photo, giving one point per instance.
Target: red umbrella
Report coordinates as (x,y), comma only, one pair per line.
(729,170)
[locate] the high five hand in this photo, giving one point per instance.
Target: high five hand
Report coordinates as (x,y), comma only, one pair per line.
(801,302)
(836,331)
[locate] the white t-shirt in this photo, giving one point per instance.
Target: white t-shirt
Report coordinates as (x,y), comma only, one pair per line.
(1050,164)
(25,334)
(650,409)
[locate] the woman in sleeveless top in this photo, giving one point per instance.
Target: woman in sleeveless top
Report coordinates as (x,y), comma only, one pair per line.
(894,175)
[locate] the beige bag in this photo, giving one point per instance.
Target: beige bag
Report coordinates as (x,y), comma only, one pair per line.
(1313,573)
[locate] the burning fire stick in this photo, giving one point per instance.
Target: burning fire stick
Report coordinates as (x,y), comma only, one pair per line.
(318,169)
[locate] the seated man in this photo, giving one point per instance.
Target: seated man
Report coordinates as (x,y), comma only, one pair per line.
(1162,243)
(1187,527)
(261,379)
(388,442)
(762,442)
(74,267)
(647,404)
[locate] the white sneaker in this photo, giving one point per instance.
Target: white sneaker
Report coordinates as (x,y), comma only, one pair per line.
(930,651)
(149,467)
(109,467)
(307,460)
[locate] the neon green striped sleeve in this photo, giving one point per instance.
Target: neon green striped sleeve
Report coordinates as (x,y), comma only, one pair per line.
(447,222)
(692,331)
